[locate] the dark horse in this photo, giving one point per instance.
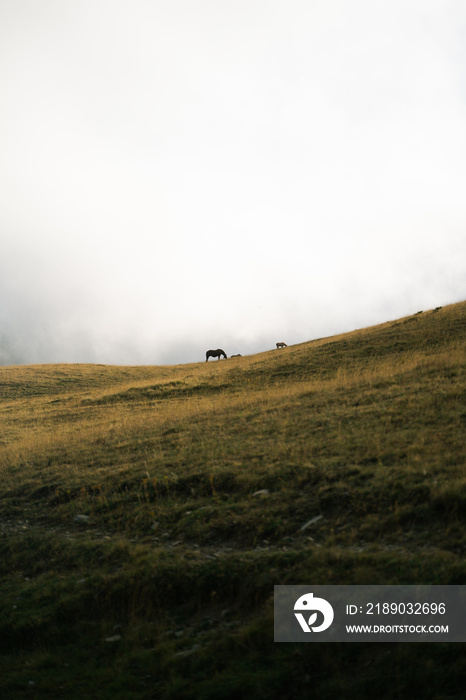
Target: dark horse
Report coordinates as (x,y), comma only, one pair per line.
(215,353)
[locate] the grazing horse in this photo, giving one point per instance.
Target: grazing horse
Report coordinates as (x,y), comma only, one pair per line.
(215,353)
(282,345)
(235,355)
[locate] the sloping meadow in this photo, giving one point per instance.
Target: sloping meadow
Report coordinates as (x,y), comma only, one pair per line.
(147,512)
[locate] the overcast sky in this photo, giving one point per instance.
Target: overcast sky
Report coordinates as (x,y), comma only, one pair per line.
(179,175)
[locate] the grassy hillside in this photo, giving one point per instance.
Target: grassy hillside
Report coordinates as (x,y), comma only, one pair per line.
(147,512)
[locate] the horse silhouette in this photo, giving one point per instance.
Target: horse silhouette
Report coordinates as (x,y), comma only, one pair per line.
(215,353)
(282,345)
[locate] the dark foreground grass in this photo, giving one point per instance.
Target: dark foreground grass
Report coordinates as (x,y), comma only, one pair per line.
(146,514)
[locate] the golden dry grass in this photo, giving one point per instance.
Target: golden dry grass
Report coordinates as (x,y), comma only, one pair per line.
(162,464)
